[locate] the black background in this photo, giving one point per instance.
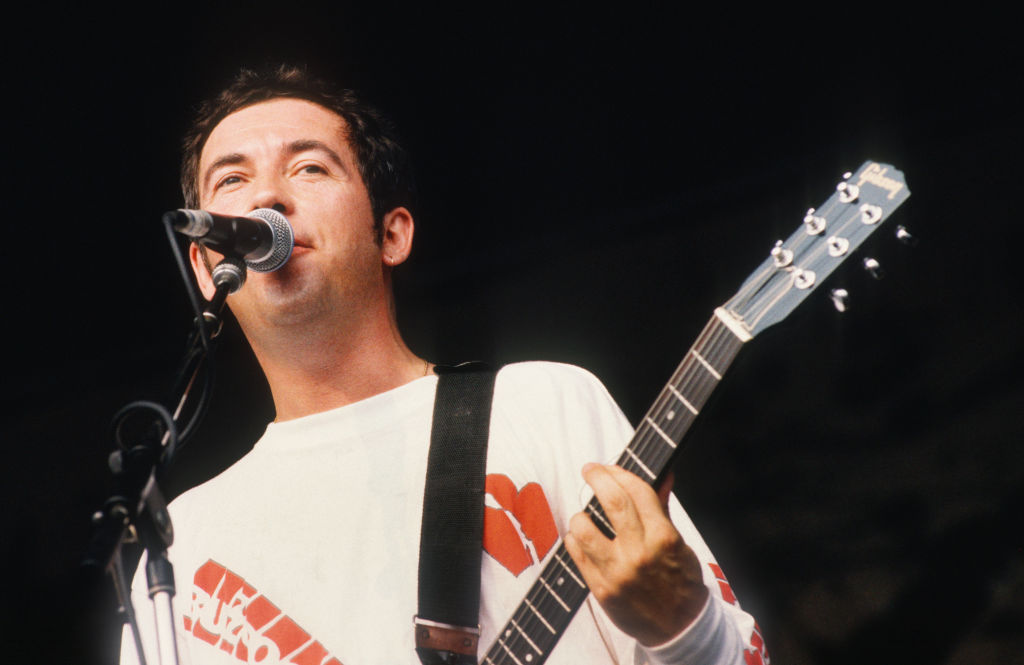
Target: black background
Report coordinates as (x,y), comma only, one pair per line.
(594,182)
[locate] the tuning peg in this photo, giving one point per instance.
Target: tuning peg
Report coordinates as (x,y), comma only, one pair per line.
(814,224)
(840,298)
(781,256)
(904,236)
(848,192)
(874,268)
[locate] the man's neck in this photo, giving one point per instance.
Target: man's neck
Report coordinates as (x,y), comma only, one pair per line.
(315,372)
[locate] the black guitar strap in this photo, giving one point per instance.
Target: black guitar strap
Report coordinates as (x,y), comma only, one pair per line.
(447,622)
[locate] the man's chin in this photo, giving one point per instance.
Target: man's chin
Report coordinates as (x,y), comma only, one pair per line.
(294,307)
(287,299)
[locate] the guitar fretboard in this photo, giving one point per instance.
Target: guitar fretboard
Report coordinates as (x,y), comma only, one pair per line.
(549,606)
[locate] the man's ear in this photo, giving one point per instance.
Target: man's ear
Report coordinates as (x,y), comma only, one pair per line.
(396,239)
(199,267)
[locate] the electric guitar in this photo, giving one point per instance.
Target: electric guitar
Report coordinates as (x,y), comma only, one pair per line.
(794,268)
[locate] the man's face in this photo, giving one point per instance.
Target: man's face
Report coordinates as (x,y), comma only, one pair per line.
(292,154)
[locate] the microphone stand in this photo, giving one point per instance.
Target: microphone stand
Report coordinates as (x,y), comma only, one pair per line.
(137,510)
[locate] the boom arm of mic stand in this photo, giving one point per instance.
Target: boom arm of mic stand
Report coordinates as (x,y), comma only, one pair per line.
(137,511)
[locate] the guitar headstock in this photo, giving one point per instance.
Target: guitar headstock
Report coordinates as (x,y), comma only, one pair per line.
(827,237)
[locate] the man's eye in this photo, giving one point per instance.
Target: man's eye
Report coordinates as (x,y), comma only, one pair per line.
(313,168)
(230,180)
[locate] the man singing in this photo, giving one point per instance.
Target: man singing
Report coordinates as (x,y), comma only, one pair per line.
(306,549)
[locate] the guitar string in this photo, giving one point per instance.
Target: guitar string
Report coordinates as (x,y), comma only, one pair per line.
(543,605)
(640,442)
(696,383)
(690,374)
(716,342)
(684,375)
(514,642)
(648,438)
(528,618)
(523,618)
(697,386)
(546,608)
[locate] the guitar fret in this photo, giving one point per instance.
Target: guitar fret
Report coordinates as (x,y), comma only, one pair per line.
(661,433)
(555,595)
(509,652)
(558,557)
(706,364)
(540,616)
(643,466)
(686,402)
(595,512)
(526,637)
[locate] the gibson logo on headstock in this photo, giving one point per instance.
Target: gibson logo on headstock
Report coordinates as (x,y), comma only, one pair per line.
(875,174)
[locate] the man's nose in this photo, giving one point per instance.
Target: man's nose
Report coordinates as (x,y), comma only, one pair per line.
(272,193)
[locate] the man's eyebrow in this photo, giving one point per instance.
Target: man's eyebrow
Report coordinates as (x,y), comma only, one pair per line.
(225,160)
(302,145)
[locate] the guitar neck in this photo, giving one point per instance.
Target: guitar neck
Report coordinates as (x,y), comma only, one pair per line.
(673,412)
(545,613)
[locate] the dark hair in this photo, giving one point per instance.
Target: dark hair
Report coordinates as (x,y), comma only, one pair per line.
(383,164)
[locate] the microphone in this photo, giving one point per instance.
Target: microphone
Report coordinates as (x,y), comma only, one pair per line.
(263,238)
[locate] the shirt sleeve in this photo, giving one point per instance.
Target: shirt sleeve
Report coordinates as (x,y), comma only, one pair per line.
(711,638)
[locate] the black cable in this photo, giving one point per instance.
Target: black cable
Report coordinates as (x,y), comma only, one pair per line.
(200,346)
(190,288)
(121,417)
(202,402)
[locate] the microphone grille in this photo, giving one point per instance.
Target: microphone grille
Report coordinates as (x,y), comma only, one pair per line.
(284,241)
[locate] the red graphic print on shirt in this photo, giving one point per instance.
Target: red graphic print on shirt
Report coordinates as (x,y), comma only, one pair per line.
(526,508)
(233,616)
(757,652)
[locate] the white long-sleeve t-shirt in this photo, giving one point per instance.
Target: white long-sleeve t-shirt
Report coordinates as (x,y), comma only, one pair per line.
(306,550)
